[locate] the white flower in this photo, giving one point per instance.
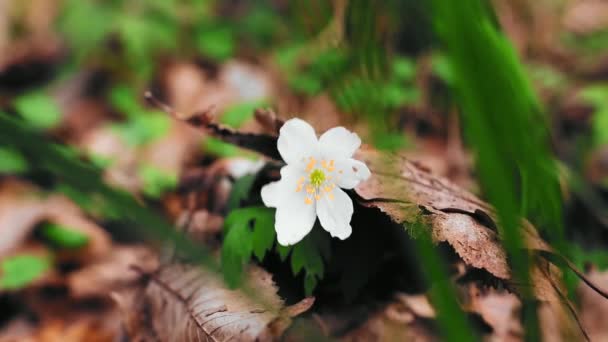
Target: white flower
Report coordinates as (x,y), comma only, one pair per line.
(310,182)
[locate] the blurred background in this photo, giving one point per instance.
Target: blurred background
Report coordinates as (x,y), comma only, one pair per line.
(526,128)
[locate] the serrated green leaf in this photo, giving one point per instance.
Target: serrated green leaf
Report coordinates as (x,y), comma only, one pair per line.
(263,233)
(236,252)
(63,237)
(240,191)
(310,283)
(247,231)
(39,109)
(18,271)
(308,255)
(11,161)
(283,251)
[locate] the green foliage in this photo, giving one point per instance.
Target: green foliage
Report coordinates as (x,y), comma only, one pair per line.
(237,114)
(247,231)
(63,237)
(218,148)
(240,191)
(597,96)
(505,127)
(86,24)
(581,257)
(451,319)
(84,184)
(307,256)
(39,109)
(156,181)
(11,161)
(142,126)
(18,271)
(216,42)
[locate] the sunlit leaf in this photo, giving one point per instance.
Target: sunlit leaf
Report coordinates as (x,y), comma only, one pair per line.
(11,161)
(18,271)
(63,237)
(39,109)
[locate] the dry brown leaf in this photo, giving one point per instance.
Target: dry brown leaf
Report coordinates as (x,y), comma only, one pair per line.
(407,318)
(111,273)
(586,17)
(593,308)
(500,309)
(22,207)
(188,303)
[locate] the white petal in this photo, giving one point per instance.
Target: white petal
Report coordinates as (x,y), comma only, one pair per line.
(294,219)
(297,140)
(271,193)
(274,192)
(350,172)
(335,214)
(339,143)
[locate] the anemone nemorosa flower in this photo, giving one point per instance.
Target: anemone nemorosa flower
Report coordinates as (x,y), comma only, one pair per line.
(311,182)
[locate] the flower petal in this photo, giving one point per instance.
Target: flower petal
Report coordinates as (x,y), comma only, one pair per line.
(271,193)
(335,214)
(339,143)
(294,219)
(351,172)
(274,192)
(297,140)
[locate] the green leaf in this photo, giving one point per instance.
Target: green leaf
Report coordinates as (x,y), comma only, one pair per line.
(123,98)
(283,251)
(11,161)
(307,255)
(144,129)
(18,271)
(404,69)
(236,251)
(240,191)
(596,94)
(39,109)
(156,181)
(217,43)
(63,237)
(263,233)
(236,115)
(219,148)
(247,231)
(85,24)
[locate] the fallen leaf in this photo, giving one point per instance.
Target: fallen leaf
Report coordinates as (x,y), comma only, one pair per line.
(188,303)
(406,318)
(111,273)
(23,207)
(500,309)
(593,308)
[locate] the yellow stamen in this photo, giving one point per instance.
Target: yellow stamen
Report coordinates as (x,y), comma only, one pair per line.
(317,177)
(307,200)
(310,189)
(317,197)
(311,164)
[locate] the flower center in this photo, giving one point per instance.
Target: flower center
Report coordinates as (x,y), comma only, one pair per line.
(317,177)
